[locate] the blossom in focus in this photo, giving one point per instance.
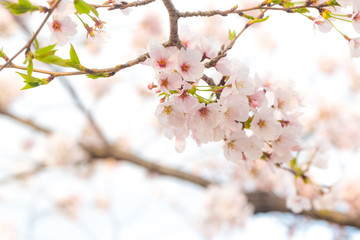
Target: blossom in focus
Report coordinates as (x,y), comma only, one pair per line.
(189,65)
(61,28)
(161,58)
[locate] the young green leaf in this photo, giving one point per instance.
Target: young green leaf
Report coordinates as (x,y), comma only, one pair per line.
(82,7)
(32,82)
(36,44)
(21,7)
(232,35)
(73,56)
(45,50)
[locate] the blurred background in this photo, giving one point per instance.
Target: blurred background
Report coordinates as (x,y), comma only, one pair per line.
(52,188)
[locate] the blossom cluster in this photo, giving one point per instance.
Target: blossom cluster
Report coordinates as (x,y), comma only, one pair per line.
(255,116)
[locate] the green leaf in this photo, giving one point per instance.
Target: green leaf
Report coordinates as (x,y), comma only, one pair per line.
(45,50)
(73,56)
(21,7)
(232,35)
(32,82)
(259,20)
(83,7)
(2,54)
(36,44)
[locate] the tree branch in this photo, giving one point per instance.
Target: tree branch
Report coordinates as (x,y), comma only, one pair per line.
(173,18)
(263,202)
(28,44)
(123,5)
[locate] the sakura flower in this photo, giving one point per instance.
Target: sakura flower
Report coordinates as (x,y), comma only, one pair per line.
(264,125)
(356,21)
(240,147)
(168,116)
(189,65)
(161,58)
(234,108)
(169,81)
(283,144)
(322,24)
(354,45)
(298,204)
(203,120)
(184,101)
(285,99)
(62,28)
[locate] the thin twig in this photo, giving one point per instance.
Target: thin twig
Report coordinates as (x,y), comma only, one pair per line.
(28,44)
(123,5)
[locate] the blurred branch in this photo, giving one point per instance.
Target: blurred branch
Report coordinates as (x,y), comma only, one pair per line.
(27,122)
(263,202)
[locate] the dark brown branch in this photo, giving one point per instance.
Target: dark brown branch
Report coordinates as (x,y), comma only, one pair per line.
(173,18)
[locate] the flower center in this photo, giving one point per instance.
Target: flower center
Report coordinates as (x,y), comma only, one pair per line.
(185,67)
(162,62)
(204,112)
(164,82)
(56,26)
(262,123)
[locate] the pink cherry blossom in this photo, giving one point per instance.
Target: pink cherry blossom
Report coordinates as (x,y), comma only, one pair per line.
(203,120)
(264,125)
(168,116)
(169,81)
(234,107)
(184,101)
(161,58)
(239,147)
(62,28)
(189,65)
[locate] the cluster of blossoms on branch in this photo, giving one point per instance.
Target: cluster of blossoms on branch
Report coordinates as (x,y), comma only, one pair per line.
(256,117)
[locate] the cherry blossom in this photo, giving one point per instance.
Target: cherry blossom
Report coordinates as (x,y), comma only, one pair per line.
(161,58)
(264,125)
(169,116)
(61,28)
(189,65)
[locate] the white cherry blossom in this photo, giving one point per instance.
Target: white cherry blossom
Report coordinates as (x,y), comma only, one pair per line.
(61,28)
